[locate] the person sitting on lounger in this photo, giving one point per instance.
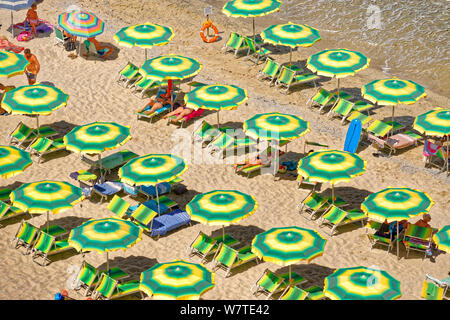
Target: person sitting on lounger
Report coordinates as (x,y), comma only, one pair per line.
(180,112)
(424,222)
(4,89)
(104,51)
(32,18)
(156,103)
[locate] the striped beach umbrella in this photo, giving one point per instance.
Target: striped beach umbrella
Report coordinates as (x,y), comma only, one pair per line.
(12,64)
(221,207)
(361,283)
(179,280)
(292,35)
(144,35)
(46,197)
(331,166)
(13,161)
(36,99)
(216,97)
(152,169)
(442,239)
(15,5)
(81,24)
(338,63)
(105,235)
(170,67)
(286,246)
(392,92)
(396,204)
(96,137)
(434,123)
(250,9)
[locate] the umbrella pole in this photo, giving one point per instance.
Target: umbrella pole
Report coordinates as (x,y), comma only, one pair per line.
(100,167)
(37,123)
(254,35)
(290,56)
(145,54)
(392,131)
(107,263)
(277,166)
(339,84)
(289,273)
(398,246)
(447,151)
(48,222)
(223,233)
(12,24)
(218,120)
(332,193)
(157,198)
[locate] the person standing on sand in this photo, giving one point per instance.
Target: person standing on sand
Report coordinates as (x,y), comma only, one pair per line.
(32,18)
(33,68)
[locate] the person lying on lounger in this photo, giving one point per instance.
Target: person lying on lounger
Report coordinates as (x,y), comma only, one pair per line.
(261,159)
(180,112)
(156,103)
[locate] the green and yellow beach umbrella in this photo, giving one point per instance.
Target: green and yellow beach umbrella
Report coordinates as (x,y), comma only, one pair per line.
(221,207)
(12,64)
(250,9)
(396,204)
(216,97)
(361,283)
(331,166)
(144,35)
(152,169)
(96,137)
(178,280)
(170,67)
(46,197)
(13,161)
(392,92)
(442,239)
(286,246)
(338,63)
(292,35)
(105,235)
(36,99)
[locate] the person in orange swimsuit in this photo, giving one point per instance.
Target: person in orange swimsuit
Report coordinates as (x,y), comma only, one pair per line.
(32,18)
(104,51)
(33,68)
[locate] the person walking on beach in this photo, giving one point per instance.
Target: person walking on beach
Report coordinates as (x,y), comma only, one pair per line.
(33,68)
(32,18)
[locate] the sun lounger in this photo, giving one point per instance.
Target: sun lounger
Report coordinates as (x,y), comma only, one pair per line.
(23,133)
(84,178)
(42,146)
(431,291)
(414,135)
(227,258)
(362,106)
(315,293)
(236,43)
(444,283)
(119,207)
(358,115)
(341,108)
(375,239)
(270,70)
(336,217)
(293,293)
(88,276)
(187,118)
(109,288)
(396,126)
(302,180)
(257,167)
(145,84)
(321,98)
(112,161)
(224,142)
(150,191)
(205,133)
(4,194)
(288,78)
(204,245)
(254,54)
(393,143)
(417,238)
(379,128)
(60,38)
(46,245)
(170,221)
(127,74)
(107,188)
(8,211)
(25,236)
(132,191)
(165,108)
(270,283)
(165,204)
(312,204)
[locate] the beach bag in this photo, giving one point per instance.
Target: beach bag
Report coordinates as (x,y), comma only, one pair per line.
(24,36)
(70,46)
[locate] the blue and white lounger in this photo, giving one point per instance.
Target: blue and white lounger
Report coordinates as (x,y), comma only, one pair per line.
(150,191)
(107,188)
(169,221)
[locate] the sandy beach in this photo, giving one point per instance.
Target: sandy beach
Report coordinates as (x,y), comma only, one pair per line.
(95,96)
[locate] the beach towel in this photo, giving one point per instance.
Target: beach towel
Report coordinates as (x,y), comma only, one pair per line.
(430,149)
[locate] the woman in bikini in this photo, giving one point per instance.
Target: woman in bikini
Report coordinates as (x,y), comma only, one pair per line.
(180,112)
(32,18)
(154,104)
